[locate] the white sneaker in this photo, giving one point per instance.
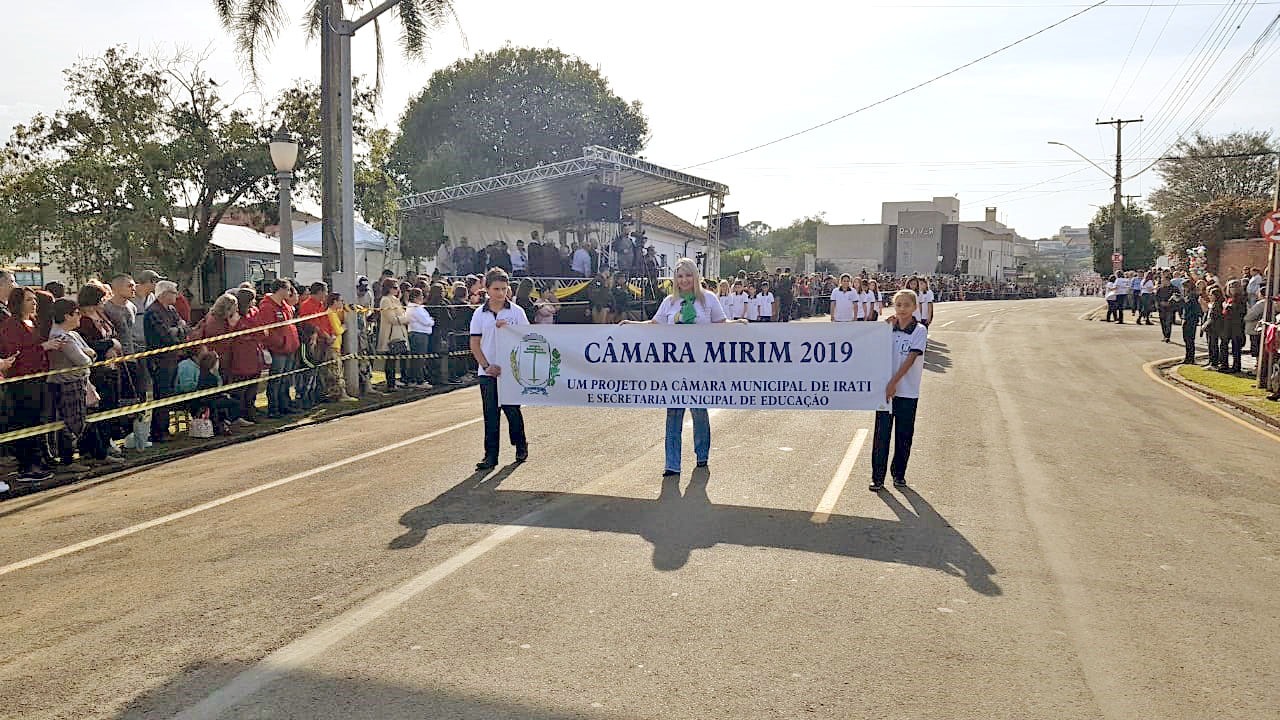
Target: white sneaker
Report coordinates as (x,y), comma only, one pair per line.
(4,487)
(245,423)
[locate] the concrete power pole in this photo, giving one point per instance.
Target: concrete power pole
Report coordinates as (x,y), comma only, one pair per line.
(1117,208)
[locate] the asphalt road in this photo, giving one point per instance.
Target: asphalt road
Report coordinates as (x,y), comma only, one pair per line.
(1078,542)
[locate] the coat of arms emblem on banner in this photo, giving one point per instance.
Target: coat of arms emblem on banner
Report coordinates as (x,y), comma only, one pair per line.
(535,364)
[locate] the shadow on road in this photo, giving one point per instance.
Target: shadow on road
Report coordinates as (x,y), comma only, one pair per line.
(303,694)
(676,524)
(935,356)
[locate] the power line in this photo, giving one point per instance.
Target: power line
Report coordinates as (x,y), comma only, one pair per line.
(1141,26)
(899,94)
(1143,66)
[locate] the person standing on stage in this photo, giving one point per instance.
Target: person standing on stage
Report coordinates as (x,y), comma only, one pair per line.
(846,303)
(910,336)
(688,304)
(497,312)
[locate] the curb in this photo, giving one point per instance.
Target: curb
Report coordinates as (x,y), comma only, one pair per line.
(1156,369)
(1093,314)
(1214,394)
(17,491)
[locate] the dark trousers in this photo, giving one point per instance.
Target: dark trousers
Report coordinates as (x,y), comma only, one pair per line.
(901,427)
(419,344)
(440,344)
(1229,352)
(26,402)
(1212,340)
(163,379)
(247,395)
(493,421)
(1189,340)
(1166,321)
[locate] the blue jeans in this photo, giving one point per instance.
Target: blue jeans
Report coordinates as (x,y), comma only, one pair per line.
(701,435)
(278,400)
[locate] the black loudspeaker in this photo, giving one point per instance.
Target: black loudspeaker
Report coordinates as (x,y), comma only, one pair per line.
(602,203)
(728,225)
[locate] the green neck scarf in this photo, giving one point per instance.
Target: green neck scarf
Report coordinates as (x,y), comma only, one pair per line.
(688,312)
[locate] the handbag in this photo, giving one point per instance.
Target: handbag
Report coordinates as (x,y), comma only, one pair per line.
(201,426)
(91,397)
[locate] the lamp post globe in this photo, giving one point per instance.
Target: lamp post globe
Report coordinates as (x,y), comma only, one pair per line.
(284,155)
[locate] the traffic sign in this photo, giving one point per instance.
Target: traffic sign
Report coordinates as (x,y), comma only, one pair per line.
(1117,261)
(1271,226)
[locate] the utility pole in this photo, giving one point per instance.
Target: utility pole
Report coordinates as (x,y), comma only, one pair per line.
(1130,199)
(1117,209)
(337,230)
(1272,285)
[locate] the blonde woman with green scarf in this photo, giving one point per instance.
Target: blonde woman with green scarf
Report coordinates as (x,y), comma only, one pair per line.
(688,304)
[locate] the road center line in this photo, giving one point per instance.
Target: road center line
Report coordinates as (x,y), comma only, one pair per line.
(133,529)
(829,498)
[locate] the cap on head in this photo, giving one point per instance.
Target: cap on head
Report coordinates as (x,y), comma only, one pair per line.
(148,277)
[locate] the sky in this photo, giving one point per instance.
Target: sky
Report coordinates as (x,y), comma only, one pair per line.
(717,77)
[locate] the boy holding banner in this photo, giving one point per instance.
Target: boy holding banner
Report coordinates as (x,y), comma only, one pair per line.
(497,312)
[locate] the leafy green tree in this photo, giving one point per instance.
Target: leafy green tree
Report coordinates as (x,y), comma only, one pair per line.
(508,110)
(798,238)
(1223,219)
(1139,251)
(298,108)
(1236,165)
(748,259)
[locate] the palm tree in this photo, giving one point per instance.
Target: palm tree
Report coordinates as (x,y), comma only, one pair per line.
(255,24)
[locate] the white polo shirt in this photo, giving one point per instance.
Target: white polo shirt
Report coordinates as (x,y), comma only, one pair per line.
(707,311)
(907,342)
(869,301)
(753,308)
(484,325)
(735,306)
(923,301)
(765,300)
(844,304)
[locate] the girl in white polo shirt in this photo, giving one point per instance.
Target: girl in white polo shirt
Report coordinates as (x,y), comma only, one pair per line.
(735,303)
(873,297)
(846,303)
(765,302)
(925,300)
(752,305)
(688,304)
(903,393)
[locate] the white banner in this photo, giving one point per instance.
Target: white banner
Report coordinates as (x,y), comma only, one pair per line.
(768,366)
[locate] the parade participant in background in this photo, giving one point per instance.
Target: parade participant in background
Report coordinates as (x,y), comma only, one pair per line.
(21,342)
(496,313)
(846,303)
(910,337)
(688,304)
(1115,307)
(924,303)
(735,303)
(753,304)
(1146,297)
(873,297)
(766,303)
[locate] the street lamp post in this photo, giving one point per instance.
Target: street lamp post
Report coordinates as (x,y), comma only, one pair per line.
(1117,208)
(284,154)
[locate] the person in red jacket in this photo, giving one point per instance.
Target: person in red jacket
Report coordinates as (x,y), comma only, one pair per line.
(282,343)
(240,357)
(20,340)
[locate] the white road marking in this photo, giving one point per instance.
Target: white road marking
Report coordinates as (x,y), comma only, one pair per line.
(946,324)
(829,498)
(296,654)
(133,529)
(975,315)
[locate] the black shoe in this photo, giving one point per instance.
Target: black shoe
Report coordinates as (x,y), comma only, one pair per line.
(35,475)
(670,473)
(487,464)
(876,486)
(522,455)
(899,482)
(702,463)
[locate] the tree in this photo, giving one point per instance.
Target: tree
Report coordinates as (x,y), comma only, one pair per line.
(299,111)
(798,238)
(1220,220)
(1139,251)
(508,110)
(255,24)
(1205,175)
(750,235)
(139,168)
(748,259)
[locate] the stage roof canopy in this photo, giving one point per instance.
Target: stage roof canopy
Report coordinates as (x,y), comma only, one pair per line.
(550,193)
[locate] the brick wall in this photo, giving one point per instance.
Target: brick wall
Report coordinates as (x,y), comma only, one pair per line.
(1237,254)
